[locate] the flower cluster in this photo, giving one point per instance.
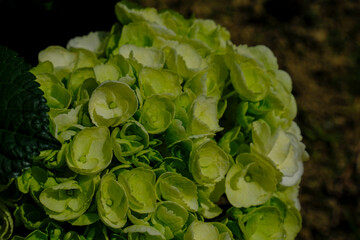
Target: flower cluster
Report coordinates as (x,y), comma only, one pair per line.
(168,131)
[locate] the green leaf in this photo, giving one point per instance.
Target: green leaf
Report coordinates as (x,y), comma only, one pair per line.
(24,130)
(235,229)
(5,186)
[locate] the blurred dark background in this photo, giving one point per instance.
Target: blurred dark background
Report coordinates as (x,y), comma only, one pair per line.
(316,41)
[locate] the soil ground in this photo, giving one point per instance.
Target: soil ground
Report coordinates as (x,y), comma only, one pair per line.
(317,42)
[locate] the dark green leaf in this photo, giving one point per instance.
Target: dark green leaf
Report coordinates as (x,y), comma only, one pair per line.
(24,130)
